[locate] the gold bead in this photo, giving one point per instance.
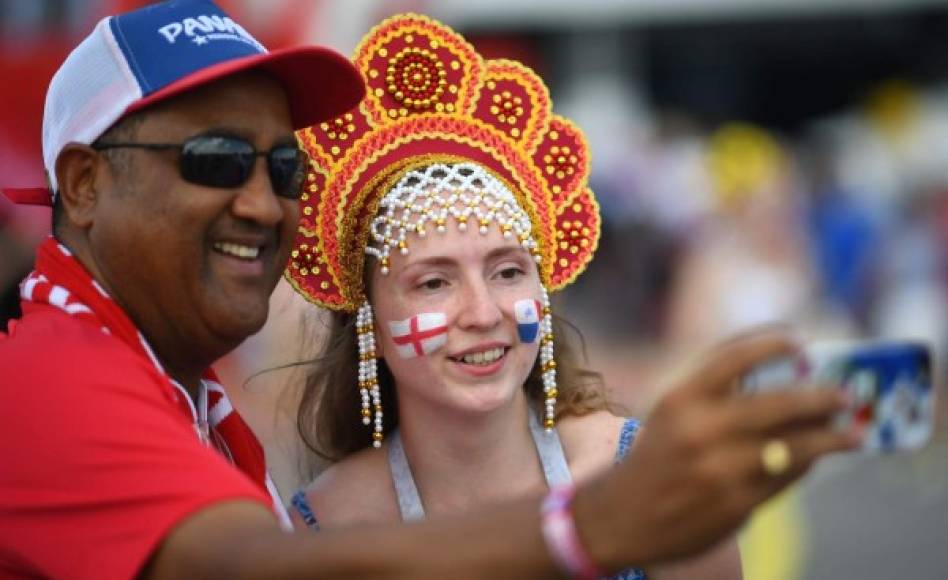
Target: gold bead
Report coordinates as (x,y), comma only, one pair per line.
(552,394)
(549,423)
(376,436)
(366,413)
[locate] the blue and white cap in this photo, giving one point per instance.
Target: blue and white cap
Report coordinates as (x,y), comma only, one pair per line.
(136,59)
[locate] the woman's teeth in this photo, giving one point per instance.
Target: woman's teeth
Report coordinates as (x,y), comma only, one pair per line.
(483,358)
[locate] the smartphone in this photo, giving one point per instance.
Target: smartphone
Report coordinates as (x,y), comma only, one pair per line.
(890,384)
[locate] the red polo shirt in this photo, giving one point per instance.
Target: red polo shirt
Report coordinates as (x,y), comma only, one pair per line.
(97,463)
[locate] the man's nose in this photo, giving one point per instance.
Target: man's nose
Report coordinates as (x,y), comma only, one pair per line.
(256,201)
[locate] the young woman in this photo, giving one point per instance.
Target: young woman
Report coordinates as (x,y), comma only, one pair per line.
(439,216)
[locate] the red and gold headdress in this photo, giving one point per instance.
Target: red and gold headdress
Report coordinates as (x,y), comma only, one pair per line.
(432,99)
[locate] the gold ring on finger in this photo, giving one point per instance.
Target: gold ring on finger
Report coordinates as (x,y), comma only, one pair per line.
(775,457)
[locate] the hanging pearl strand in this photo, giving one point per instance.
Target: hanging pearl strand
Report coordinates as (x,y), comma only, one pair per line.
(463,191)
(547,364)
(368,373)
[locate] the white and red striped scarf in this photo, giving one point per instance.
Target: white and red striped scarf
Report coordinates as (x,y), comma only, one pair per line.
(60,280)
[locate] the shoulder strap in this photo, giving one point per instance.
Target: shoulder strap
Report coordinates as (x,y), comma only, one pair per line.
(409,502)
(629,428)
(550,450)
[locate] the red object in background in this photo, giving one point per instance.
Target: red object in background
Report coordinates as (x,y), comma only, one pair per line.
(6,210)
(28,61)
(26,76)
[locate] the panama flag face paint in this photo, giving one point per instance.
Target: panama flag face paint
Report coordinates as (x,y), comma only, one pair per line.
(419,335)
(527,313)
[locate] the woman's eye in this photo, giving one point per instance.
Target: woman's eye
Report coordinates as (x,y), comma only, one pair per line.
(510,273)
(432,284)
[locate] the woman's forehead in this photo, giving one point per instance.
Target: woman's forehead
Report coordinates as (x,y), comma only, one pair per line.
(456,245)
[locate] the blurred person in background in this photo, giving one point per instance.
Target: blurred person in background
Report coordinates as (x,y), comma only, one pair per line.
(749,264)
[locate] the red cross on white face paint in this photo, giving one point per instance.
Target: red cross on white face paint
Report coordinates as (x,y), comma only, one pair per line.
(421,334)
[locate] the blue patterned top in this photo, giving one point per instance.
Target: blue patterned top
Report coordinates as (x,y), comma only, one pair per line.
(626,437)
(629,428)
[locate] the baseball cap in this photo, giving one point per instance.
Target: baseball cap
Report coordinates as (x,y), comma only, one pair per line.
(139,58)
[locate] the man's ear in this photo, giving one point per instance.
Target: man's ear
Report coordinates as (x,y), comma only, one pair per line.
(77,169)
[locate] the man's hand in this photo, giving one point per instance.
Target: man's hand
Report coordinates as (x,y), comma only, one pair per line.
(696,471)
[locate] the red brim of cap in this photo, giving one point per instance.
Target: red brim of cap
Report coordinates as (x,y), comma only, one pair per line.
(29,195)
(320,83)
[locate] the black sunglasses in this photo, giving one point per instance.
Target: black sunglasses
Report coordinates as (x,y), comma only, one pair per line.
(227,162)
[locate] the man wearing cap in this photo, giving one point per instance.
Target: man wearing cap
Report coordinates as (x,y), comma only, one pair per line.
(174,173)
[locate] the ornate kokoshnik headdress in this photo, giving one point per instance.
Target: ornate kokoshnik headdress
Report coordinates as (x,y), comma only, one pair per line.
(442,135)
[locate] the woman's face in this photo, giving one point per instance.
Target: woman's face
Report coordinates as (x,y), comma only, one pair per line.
(464,353)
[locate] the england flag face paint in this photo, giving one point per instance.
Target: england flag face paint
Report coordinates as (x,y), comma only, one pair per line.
(527,313)
(421,334)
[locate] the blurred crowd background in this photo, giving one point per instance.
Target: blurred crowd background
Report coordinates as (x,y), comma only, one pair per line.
(756,161)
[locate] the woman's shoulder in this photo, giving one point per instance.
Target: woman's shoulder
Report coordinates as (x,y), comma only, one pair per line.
(591,441)
(356,490)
